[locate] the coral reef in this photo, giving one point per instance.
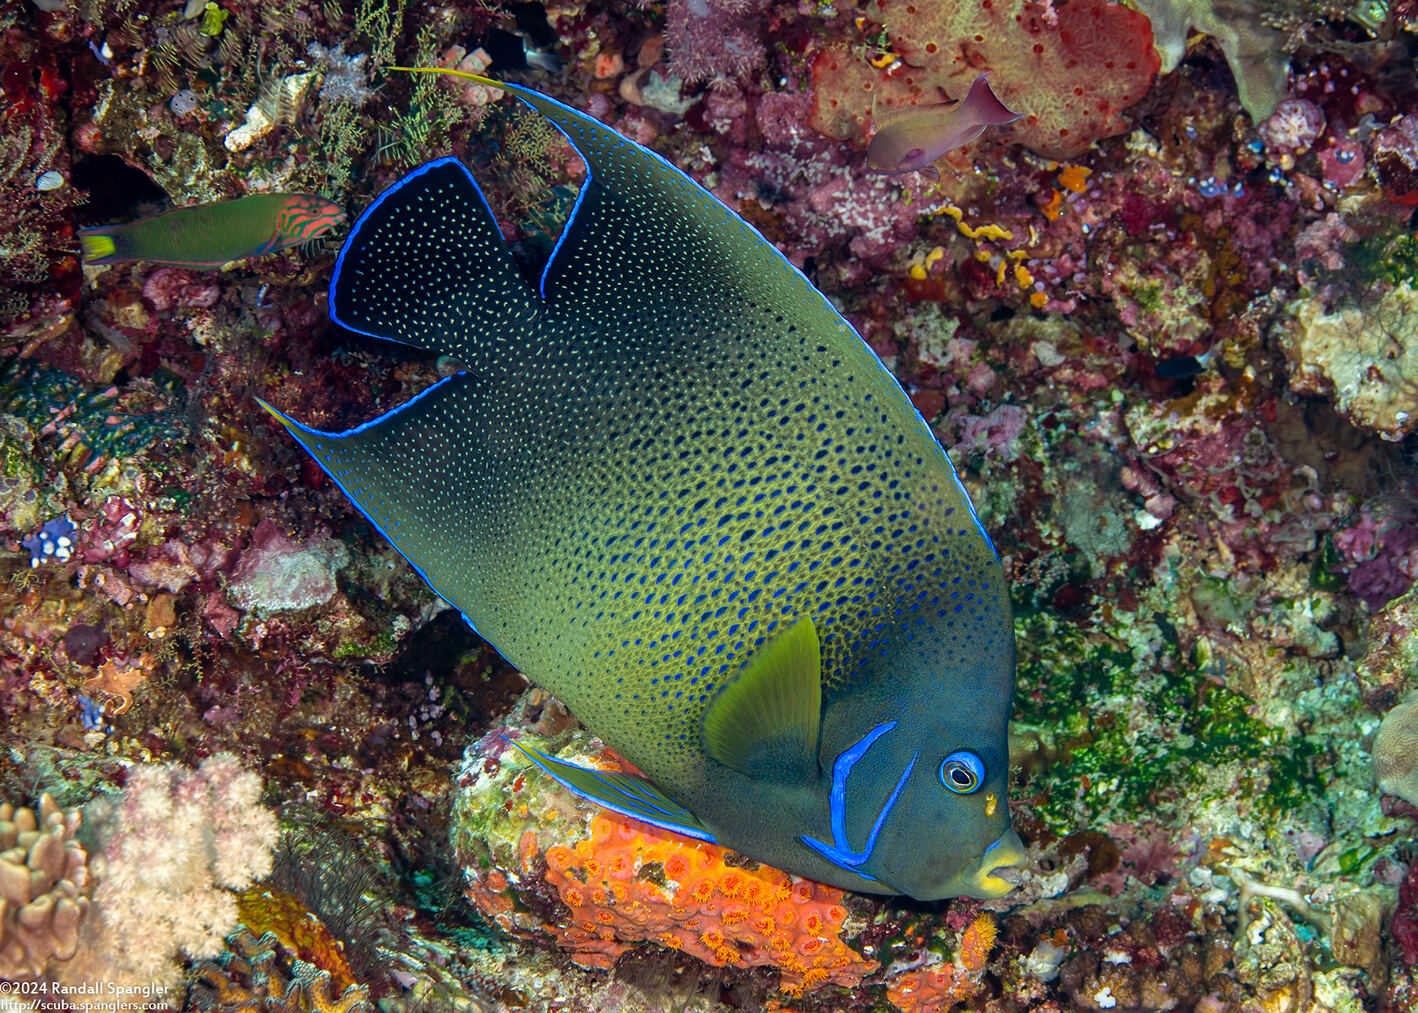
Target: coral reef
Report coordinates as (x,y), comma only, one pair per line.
(1254,50)
(1165,326)
(249,975)
(1366,358)
(1087,62)
(1396,752)
(166,855)
(618,883)
(546,867)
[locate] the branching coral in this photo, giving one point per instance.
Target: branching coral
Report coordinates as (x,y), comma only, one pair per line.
(44,887)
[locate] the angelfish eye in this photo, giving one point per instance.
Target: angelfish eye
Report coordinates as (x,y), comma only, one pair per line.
(962,772)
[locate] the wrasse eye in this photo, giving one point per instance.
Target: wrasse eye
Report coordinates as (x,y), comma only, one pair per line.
(962,772)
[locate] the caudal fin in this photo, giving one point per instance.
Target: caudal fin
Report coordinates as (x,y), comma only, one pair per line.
(102,245)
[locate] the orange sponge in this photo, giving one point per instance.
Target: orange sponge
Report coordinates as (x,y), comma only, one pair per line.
(546,867)
(626,882)
(939,987)
(629,882)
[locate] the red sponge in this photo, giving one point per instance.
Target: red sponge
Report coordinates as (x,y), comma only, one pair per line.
(1071,67)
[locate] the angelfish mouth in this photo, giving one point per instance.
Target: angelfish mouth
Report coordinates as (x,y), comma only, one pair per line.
(998,871)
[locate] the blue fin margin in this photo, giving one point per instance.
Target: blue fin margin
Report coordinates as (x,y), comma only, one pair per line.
(626,794)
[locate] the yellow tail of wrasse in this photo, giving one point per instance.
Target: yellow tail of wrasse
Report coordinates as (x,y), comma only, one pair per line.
(95,247)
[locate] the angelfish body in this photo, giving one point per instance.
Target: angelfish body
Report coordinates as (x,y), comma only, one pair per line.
(913,140)
(677,490)
(210,235)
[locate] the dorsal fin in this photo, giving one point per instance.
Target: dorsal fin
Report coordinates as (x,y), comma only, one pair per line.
(645,241)
(426,265)
(765,721)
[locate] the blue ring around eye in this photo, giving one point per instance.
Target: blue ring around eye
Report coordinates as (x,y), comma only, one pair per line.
(962,772)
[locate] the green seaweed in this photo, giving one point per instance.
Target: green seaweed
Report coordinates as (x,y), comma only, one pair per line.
(1080,685)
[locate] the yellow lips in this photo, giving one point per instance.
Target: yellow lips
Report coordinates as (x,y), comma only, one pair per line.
(1006,852)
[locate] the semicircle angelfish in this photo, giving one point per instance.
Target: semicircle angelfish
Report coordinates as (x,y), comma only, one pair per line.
(677,489)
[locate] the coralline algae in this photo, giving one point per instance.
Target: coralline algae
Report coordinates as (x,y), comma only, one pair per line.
(276,574)
(1366,358)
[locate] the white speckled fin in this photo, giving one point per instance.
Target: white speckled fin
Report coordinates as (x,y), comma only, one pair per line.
(426,265)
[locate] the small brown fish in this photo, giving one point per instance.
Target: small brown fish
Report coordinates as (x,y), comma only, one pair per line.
(912,141)
(210,235)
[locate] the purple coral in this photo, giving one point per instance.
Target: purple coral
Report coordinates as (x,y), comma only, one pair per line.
(996,434)
(1324,241)
(712,38)
(1294,126)
(1379,549)
(823,200)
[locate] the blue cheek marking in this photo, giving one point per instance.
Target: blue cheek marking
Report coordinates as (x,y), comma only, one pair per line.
(840,852)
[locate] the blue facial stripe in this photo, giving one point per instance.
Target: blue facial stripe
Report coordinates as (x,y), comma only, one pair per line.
(840,772)
(839,851)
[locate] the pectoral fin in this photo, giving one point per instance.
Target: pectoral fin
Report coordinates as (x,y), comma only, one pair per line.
(765,722)
(626,794)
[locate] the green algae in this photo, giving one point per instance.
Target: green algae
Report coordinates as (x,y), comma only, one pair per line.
(1389,256)
(17,459)
(1132,728)
(63,411)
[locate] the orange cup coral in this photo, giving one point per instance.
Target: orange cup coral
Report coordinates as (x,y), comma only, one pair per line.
(625,882)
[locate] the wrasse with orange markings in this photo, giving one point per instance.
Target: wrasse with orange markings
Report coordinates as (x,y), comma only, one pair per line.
(210,235)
